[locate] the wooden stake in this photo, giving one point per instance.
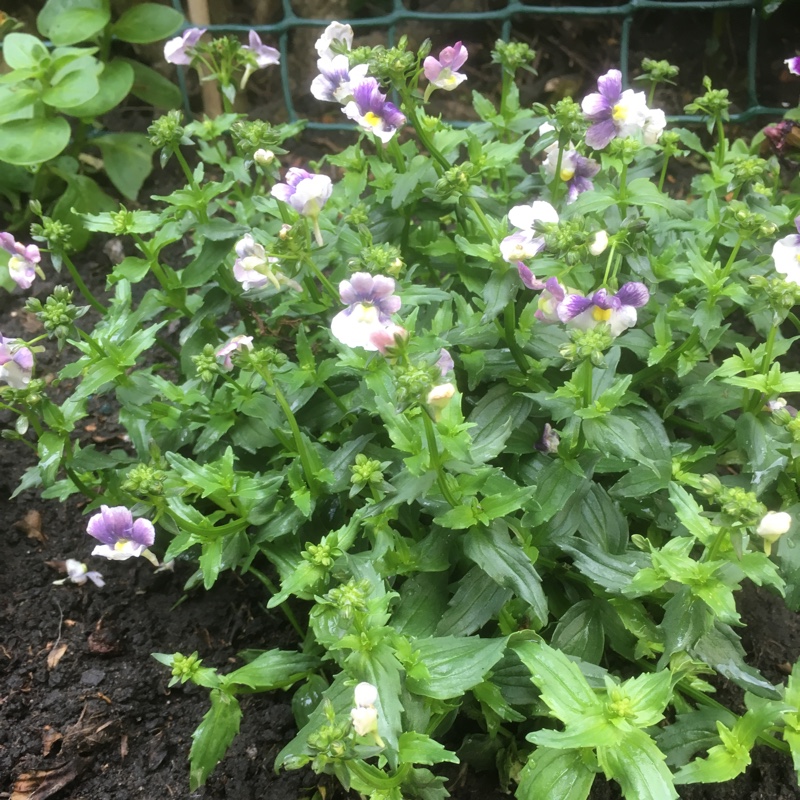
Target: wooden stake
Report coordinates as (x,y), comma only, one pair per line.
(212,102)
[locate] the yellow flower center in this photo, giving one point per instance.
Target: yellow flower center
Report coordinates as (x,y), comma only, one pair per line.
(120,544)
(619,112)
(365,313)
(567,173)
(601,314)
(372,119)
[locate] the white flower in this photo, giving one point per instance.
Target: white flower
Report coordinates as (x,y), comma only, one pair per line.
(370,303)
(786,255)
(525,243)
(78,572)
(654,123)
(335,32)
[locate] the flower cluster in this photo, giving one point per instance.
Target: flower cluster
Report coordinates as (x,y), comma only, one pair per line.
(616,113)
(358,93)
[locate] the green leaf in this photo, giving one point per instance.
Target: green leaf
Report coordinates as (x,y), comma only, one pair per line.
(422,604)
(498,414)
(477,599)
(454,664)
(82,195)
(579,632)
(602,523)
(721,649)
(115,81)
(558,484)
(213,736)
(128,160)
(498,292)
(562,685)
(78,25)
(690,513)
(147,22)
(686,620)
(130,269)
(614,572)
(153,87)
(211,561)
(637,765)
(23,51)
(691,733)
(208,260)
(75,88)
(418,748)
(33,141)
(509,565)
(556,775)
(273,669)
(614,435)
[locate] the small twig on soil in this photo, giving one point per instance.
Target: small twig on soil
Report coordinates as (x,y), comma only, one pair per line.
(60,622)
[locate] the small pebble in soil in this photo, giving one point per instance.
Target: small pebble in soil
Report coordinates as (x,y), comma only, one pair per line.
(92,677)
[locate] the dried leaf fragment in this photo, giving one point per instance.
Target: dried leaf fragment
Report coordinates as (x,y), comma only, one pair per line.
(31,525)
(55,655)
(43,783)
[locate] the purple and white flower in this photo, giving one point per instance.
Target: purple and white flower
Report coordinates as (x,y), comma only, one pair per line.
(265,55)
(618,310)
(576,170)
(443,72)
(527,277)
(549,300)
(793,64)
(336,79)
(24,261)
(235,345)
(527,242)
(119,535)
(372,111)
(445,362)
(16,363)
(389,339)
(599,243)
(550,440)
(306,193)
(370,302)
(179,50)
(613,112)
(78,572)
(335,32)
(252,266)
(786,255)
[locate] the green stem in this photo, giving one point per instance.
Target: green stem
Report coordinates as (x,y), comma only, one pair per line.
(397,155)
(273,590)
(202,212)
(82,287)
(722,143)
(433,451)
(440,163)
(668,359)
(482,218)
(731,258)
(663,175)
(713,550)
(329,287)
(509,330)
(555,186)
(302,450)
(623,190)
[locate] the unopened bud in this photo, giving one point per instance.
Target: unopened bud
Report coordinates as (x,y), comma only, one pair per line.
(774,524)
(366,695)
(599,243)
(263,157)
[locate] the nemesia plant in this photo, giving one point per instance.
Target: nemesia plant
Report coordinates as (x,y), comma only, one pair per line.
(508,515)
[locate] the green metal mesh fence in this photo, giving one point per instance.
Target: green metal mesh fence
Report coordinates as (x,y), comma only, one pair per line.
(512,14)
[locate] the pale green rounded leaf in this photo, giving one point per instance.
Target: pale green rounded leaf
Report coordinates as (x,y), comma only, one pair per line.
(33,141)
(22,51)
(53,9)
(153,87)
(147,22)
(115,82)
(128,159)
(73,90)
(78,25)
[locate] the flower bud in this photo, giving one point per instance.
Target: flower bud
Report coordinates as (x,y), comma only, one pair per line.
(365,720)
(366,695)
(263,157)
(774,524)
(440,396)
(599,243)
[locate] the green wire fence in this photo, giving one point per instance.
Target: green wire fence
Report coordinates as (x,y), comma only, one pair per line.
(512,13)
